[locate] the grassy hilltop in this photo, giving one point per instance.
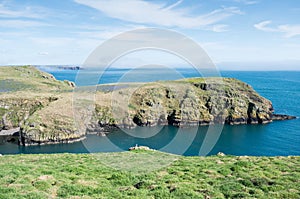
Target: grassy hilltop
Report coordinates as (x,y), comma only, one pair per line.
(84,176)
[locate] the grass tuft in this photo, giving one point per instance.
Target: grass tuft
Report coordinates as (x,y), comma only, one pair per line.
(107,175)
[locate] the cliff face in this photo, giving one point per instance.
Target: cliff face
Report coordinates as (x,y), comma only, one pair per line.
(42,107)
(38,105)
(213,101)
(188,102)
(37,122)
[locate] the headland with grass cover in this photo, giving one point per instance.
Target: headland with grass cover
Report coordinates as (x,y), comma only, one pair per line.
(41,108)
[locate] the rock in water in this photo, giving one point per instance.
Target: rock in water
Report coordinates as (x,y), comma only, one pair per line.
(136,147)
(221,154)
(276,117)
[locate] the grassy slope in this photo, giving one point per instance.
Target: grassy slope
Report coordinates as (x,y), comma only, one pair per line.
(28,78)
(84,176)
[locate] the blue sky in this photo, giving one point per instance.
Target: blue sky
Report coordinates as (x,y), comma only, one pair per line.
(236,34)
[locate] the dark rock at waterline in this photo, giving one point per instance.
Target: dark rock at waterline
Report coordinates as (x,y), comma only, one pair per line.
(279,117)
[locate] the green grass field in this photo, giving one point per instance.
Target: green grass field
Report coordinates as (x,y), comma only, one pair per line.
(89,176)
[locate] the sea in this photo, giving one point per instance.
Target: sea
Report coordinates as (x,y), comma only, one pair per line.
(279,138)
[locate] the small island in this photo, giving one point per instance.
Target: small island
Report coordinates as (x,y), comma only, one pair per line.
(37,108)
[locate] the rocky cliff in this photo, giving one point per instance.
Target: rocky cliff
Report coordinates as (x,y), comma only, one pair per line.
(42,107)
(37,104)
(188,102)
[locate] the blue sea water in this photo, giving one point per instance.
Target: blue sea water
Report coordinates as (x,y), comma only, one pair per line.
(280,138)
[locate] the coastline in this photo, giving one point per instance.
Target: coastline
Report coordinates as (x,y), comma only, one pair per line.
(50,142)
(46,114)
(103,131)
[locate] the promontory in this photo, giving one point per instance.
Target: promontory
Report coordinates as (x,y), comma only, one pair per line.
(40,109)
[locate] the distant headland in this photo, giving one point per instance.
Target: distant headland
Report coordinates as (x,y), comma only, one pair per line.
(60,67)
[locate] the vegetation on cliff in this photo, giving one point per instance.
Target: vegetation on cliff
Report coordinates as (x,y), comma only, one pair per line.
(85,176)
(42,107)
(34,101)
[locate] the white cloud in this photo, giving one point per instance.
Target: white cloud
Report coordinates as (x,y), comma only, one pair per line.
(20,23)
(17,16)
(146,12)
(288,30)
(103,32)
(43,53)
(45,50)
(14,34)
(219,28)
(247,2)
(174,5)
(263,26)
(213,45)
(25,12)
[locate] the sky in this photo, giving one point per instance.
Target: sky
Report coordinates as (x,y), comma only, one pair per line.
(236,34)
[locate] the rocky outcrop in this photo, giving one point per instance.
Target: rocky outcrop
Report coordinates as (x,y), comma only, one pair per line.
(38,105)
(42,107)
(25,115)
(56,130)
(14,111)
(136,147)
(278,117)
(190,103)
(70,83)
